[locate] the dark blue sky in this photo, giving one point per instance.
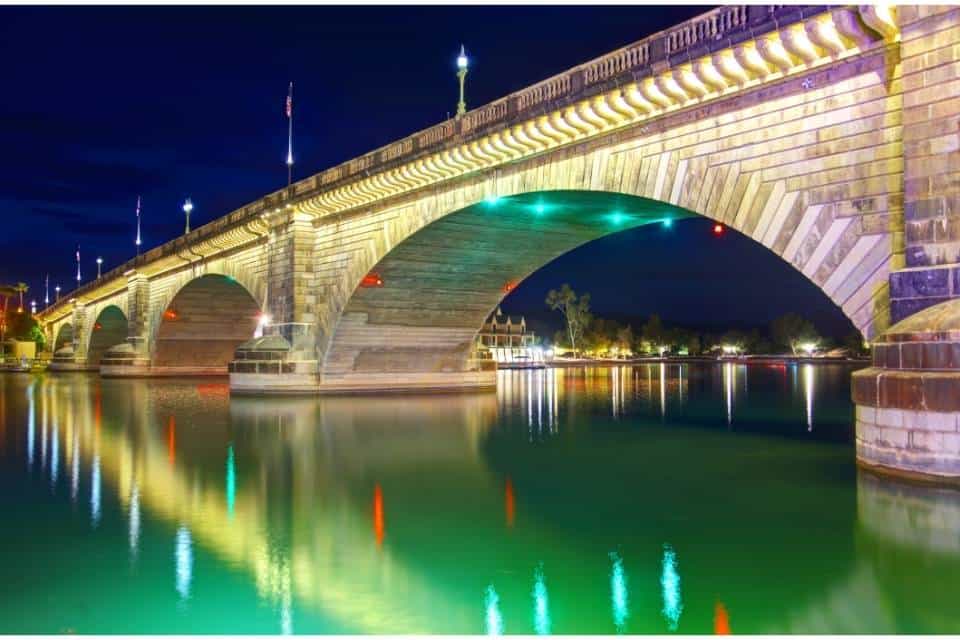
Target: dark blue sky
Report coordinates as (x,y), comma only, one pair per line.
(105,103)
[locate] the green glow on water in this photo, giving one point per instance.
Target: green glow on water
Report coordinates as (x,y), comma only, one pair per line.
(765,515)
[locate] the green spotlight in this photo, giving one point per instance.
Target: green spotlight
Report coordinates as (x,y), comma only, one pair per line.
(667,223)
(492,199)
(539,208)
(617,217)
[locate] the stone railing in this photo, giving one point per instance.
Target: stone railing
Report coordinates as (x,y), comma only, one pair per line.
(698,36)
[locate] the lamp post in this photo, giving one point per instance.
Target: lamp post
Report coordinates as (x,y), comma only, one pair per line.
(462,75)
(33,307)
(187,208)
(57,290)
(99,264)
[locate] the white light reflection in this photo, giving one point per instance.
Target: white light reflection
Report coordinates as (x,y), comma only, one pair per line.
(808,393)
(670,585)
(54,455)
(286,607)
(231,480)
(95,492)
(618,592)
(663,389)
(728,387)
(75,462)
(541,608)
(31,425)
(43,443)
(134,515)
(184,559)
(494,620)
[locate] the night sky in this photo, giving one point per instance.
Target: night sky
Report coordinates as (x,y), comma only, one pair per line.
(105,103)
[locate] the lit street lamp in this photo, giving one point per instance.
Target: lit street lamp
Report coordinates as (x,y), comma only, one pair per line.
(99,264)
(462,74)
(57,289)
(187,208)
(33,307)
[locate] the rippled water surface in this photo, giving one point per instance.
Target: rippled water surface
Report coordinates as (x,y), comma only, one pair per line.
(648,499)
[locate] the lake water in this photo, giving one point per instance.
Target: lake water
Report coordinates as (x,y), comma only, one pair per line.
(701,498)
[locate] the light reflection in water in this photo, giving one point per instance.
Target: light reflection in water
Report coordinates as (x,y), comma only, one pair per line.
(31,424)
(728,389)
(663,389)
(618,592)
(721,620)
(231,482)
(541,608)
(494,620)
(75,467)
(43,443)
(171,440)
(95,491)
(379,528)
(509,503)
(54,454)
(808,393)
(670,585)
(134,515)
(184,560)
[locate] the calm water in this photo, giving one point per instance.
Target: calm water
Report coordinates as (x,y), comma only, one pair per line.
(651,499)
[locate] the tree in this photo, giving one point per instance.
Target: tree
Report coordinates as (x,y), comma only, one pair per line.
(21,288)
(575,310)
(653,333)
(625,338)
(791,331)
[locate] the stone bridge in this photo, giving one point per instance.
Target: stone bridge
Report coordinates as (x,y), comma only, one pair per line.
(827,134)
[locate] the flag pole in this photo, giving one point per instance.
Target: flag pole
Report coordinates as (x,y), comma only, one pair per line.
(138,225)
(290,135)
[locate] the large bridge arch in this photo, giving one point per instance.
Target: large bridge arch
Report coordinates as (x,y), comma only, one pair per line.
(197,325)
(440,281)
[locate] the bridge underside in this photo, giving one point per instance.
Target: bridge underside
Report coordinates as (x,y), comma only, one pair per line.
(418,328)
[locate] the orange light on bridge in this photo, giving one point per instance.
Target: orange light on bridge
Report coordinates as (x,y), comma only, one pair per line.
(97,326)
(372,279)
(718,229)
(721,620)
(170,314)
(509,286)
(509,503)
(379,528)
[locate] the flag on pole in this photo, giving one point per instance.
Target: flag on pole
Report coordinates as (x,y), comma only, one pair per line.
(289,134)
(138,225)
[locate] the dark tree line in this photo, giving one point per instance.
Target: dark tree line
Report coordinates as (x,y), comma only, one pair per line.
(588,334)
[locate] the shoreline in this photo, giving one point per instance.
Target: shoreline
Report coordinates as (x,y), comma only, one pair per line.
(776,360)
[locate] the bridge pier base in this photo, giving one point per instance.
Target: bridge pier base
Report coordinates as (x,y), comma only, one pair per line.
(908,402)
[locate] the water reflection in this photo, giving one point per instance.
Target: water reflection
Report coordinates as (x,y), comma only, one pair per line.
(95,491)
(744,511)
(618,592)
(541,603)
(183,557)
(493,617)
(670,586)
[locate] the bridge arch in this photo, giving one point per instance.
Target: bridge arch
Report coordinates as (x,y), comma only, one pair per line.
(198,325)
(63,337)
(445,266)
(108,328)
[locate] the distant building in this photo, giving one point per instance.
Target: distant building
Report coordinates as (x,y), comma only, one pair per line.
(507,341)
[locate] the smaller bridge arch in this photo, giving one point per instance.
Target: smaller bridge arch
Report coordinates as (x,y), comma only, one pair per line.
(197,326)
(63,336)
(108,328)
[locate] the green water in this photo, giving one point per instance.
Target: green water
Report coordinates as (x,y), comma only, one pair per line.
(652,499)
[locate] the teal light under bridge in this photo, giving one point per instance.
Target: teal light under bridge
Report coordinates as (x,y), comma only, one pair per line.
(610,212)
